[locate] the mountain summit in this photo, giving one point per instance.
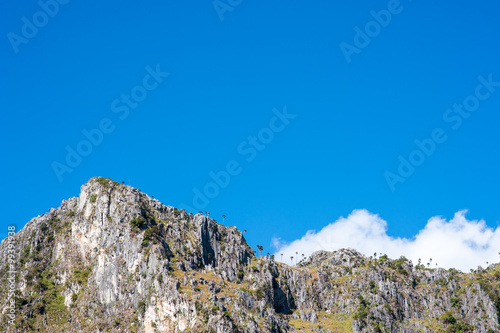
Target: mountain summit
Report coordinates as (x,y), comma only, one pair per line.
(115,260)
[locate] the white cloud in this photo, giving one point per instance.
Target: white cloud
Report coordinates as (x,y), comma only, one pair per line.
(458,243)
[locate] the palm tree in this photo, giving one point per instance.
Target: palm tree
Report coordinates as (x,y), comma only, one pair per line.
(223,218)
(291,259)
(208,214)
(282,257)
(375,255)
(302,256)
(200,212)
(244,231)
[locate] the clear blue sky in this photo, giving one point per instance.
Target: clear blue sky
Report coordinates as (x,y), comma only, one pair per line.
(353,119)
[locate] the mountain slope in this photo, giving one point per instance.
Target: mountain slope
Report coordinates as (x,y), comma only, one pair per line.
(116,260)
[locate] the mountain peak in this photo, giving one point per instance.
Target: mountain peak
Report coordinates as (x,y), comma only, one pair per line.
(114,259)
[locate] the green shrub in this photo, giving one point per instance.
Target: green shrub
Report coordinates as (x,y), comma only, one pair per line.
(103,181)
(24,255)
(93,198)
(52,302)
(141,306)
(151,234)
(20,302)
(448,318)
(460,327)
(137,222)
(260,293)
(361,315)
(81,276)
(198,306)
(455,301)
(398,265)
(389,310)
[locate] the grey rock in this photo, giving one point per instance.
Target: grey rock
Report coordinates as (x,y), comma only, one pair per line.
(115,260)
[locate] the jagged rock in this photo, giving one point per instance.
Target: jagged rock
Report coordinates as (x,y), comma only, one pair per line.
(116,260)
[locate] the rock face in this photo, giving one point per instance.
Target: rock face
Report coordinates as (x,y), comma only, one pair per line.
(116,260)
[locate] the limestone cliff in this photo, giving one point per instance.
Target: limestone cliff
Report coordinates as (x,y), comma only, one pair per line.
(116,260)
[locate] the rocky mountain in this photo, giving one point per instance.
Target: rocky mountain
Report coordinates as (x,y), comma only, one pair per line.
(115,260)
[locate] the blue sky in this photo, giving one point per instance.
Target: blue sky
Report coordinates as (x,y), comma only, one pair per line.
(352,119)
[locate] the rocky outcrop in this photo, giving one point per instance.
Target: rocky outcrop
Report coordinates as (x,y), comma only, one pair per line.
(116,260)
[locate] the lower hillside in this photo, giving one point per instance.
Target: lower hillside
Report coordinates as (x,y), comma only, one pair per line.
(116,260)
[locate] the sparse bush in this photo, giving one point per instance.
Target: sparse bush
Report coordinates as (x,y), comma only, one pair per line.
(137,222)
(81,276)
(455,301)
(103,181)
(460,327)
(141,306)
(260,293)
(151,234)
(383,258)
(448,318)
(398,265)
(389,310)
